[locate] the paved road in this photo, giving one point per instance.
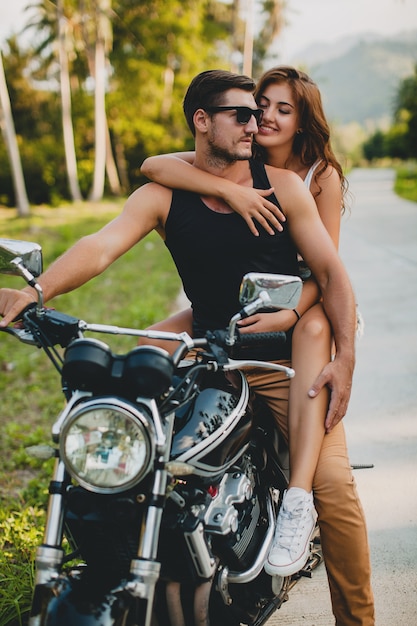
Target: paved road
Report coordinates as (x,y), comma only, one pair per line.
(379,248)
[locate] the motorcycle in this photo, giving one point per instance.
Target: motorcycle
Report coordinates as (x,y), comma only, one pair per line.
(167,478)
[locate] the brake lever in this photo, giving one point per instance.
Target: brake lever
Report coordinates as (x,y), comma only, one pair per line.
(241,364)
(23,335)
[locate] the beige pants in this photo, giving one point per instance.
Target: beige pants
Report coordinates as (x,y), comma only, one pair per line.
(340,515)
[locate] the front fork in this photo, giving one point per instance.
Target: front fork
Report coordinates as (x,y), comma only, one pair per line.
(144,569)
(49,555)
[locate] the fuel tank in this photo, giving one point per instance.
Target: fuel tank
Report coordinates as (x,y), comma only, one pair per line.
(213,429)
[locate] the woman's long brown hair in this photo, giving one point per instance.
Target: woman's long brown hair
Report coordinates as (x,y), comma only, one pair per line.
(313,142)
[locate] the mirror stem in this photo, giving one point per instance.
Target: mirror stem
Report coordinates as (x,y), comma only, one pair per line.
(31,281)
(260,302)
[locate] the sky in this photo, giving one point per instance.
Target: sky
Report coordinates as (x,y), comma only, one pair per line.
(309,21)
(325,21)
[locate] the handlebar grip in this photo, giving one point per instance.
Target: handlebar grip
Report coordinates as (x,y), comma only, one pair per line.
(259,339)
(270,346)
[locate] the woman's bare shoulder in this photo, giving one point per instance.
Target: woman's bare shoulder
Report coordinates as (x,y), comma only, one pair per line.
(282,175)
(327,179)
(290,190)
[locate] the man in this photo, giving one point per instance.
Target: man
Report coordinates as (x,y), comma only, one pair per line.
(222,114)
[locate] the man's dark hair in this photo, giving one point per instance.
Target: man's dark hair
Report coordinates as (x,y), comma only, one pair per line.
(207,88)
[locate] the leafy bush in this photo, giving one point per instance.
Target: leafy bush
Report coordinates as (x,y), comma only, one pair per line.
(406,182)
(20,534)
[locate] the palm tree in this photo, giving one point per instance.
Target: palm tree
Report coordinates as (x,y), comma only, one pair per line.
(9,134)
(98,39)
(67,126)
(83,27)
(53,19)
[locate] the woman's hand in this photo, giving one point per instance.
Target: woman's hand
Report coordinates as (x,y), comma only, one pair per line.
(268,322)
(252,204)
(177,172)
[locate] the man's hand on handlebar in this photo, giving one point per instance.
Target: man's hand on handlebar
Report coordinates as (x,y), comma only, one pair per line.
(12,303)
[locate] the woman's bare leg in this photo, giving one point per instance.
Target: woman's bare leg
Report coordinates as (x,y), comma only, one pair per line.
(311,350)
(177,323)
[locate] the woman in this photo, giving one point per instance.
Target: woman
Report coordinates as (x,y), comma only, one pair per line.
(293,134)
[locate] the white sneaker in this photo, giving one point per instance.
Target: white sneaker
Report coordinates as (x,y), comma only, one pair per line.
(295,526)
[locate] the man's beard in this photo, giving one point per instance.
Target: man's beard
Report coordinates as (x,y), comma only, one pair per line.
(217,156)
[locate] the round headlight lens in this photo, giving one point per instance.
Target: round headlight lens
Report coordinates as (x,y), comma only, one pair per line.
(107,445)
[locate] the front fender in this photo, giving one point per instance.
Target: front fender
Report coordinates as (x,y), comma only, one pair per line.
(71,602)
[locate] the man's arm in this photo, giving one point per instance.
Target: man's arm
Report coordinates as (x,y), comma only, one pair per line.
(175,171)
(319,252)
(145,210)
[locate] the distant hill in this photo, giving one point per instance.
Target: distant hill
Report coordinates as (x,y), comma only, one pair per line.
(359,76)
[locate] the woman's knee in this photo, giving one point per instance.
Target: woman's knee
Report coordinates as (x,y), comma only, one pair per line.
(313,326)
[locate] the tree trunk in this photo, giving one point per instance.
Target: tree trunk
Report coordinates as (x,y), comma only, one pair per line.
(235,60)
(121,162)
(100,126)
(70,156)
(9,134)
(111,168)
(248,43)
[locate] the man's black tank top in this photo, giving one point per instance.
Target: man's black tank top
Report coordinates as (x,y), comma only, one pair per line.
(213,251)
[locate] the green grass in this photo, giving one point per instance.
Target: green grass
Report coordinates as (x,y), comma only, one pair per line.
(406,181)
(135,291)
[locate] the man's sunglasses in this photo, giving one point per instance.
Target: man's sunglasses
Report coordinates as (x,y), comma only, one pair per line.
(243,114)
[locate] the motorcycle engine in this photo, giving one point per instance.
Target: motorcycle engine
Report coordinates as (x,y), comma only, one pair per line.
(234,519)
(202,525)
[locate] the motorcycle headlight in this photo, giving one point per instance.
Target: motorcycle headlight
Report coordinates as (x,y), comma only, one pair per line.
(107,445)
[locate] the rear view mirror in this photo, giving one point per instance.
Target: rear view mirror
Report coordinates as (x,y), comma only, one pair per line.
(29,253)
(284,291)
